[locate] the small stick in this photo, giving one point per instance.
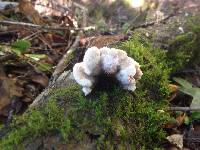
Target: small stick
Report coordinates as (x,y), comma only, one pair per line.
(62,64)
(147,24)
(31,25)
(184,108)
(163,20)
(35,34)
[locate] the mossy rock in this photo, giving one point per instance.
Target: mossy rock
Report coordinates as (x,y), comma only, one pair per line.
(110,117)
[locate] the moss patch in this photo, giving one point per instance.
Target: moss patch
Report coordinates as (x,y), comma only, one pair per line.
(185,48)
(113,117)
(35,123)
(154,64)
(110,116)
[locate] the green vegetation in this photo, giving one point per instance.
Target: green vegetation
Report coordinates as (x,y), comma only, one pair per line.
(185,48)
(154,64)
(20,48)
(35,123)
(117,119)
(189,89)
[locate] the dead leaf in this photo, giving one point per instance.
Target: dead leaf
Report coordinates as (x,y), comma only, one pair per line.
(8,89)
(5,97)
(56,38)
(40,78)
(9,85)
(29,11)
(31,92)
(180,119)
(189,89)
(176,123)
(170,125)
(176,139)
(173,87)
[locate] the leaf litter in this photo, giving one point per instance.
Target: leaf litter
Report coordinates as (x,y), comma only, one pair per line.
(28,55)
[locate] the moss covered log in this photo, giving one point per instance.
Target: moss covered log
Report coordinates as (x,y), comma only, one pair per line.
(110,117)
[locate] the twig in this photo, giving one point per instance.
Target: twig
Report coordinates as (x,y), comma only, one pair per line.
(147,24)
(64,61)
(32,36)
(184,108)
(60,78)
(43,39)
(45,27)
(62,64)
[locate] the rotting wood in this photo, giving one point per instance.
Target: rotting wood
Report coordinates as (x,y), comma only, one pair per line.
(64,80)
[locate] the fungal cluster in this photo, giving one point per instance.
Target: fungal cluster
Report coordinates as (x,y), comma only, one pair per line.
(110,61)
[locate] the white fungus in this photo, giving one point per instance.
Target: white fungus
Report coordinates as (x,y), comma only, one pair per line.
(109,61)
(92,61)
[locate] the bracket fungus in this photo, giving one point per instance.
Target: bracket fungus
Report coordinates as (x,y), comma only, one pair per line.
(110,61)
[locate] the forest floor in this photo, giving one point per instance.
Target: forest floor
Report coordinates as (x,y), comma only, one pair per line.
(39,40)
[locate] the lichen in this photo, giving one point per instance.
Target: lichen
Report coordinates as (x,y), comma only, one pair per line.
(111,117)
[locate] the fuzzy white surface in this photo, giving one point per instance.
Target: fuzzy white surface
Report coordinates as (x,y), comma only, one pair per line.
(92,61)
(110,61)
(82,78)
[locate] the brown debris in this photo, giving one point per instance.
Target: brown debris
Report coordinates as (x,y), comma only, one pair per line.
(27,8)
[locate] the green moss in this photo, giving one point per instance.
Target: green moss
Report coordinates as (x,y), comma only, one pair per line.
(117,118)
(110,116)
(34,123)
(184,49)
(153,63)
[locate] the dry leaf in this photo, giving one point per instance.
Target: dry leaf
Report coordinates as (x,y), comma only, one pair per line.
(180,119)
(8,89)
(170,125)
(188,88)
(29,11)
(40,78)
(176,123)
(173,88)
(176,139)
(5,97)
